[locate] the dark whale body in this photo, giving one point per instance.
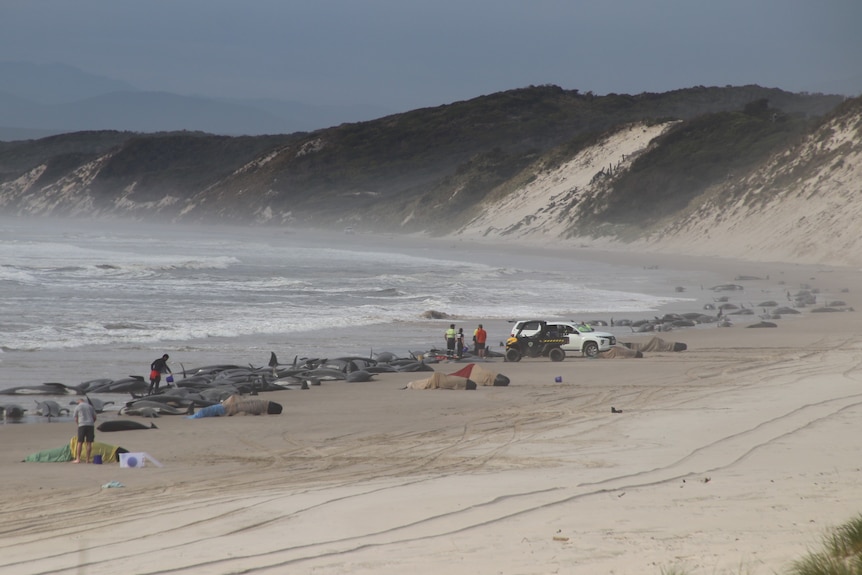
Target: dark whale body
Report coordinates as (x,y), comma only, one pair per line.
(123,425)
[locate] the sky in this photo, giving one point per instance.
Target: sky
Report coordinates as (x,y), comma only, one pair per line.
(404,54)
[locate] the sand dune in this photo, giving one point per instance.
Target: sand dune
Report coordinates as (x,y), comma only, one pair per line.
(800,206)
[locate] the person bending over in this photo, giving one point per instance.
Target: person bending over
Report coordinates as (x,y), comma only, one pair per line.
(157,368)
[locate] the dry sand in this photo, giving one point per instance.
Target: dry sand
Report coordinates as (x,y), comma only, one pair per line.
(734,456)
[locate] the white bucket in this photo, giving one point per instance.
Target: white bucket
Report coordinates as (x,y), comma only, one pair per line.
(137,459)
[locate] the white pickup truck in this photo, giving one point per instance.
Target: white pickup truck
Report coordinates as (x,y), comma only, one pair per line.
(582,339)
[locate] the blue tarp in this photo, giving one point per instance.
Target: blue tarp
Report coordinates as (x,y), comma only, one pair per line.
(209,411)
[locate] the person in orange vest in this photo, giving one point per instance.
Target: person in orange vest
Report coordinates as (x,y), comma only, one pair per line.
(480,336)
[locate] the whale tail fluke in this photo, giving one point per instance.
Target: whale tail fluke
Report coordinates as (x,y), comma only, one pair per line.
(79,389)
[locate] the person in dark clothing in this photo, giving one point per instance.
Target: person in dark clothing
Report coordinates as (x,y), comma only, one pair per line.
(157,368)
(85,419)
(459,343)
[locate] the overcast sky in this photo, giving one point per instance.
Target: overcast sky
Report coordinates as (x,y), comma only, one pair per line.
(403,54)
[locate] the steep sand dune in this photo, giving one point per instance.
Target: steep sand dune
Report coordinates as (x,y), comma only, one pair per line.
(802,206)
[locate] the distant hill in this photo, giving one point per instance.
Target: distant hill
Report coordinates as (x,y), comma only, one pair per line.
(533,162)
(41,100)
(55,83)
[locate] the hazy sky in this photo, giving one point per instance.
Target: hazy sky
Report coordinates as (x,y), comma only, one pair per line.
(403,54)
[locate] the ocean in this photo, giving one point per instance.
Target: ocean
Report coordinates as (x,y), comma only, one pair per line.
(84,300)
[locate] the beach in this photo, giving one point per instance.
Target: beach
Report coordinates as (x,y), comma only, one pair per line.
(733,456)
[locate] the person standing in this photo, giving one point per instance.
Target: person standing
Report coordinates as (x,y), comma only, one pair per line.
(85,418)
(450,340)
(459,343)
(157,368)
(480,336)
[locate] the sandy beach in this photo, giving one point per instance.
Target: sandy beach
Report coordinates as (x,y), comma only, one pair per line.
(734,456)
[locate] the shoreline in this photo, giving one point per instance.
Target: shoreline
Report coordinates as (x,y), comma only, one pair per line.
(730,456)
(75,365)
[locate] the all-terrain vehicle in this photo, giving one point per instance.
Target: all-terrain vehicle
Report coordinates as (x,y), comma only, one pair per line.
(546,342)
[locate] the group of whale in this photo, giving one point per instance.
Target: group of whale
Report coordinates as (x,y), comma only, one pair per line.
(208,385)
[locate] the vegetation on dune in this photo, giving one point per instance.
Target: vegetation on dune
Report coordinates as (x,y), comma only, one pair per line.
(21,156)
(841,554)
(427,169)
(455,199)
(695,155)
(177,162)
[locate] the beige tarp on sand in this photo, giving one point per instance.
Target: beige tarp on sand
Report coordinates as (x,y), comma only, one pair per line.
(439,381)
(620,352)
(477,373)
(236,404)
(468,377)
(656,344)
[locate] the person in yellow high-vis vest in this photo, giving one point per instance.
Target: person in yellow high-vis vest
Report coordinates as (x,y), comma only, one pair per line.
(450,340)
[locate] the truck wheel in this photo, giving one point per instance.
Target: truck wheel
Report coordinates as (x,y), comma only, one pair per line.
(591,349)
(557,354)
(513,355)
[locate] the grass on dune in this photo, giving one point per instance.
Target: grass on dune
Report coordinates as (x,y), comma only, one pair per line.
(841,554)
